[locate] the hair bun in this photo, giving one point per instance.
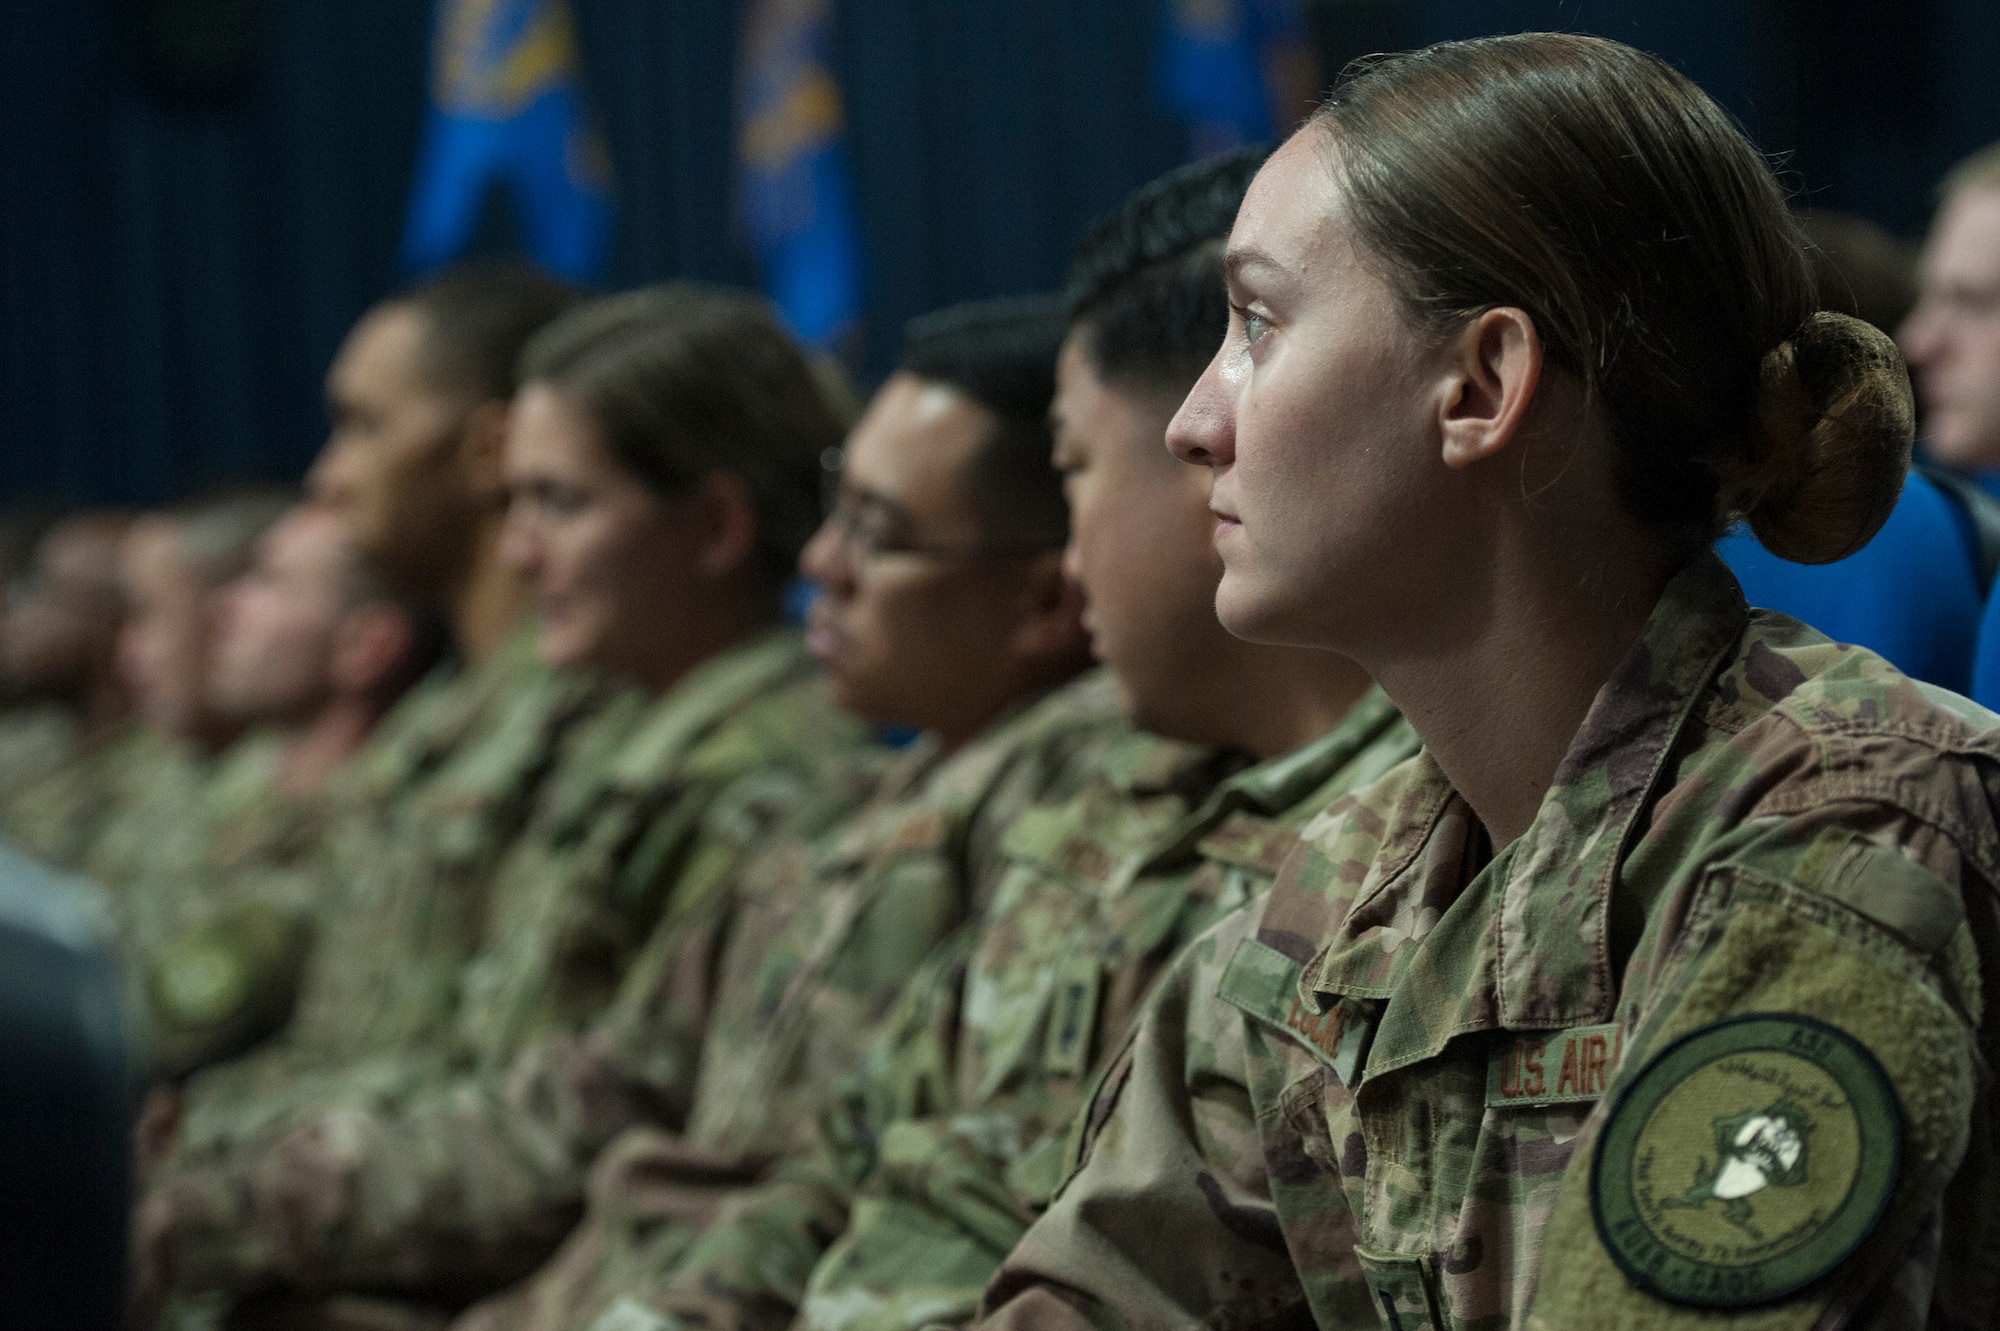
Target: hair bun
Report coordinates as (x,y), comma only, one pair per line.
(1831,442)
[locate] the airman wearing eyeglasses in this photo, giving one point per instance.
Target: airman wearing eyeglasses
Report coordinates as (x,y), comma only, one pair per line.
(1952,337)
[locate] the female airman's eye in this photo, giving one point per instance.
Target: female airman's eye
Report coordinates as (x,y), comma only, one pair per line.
(1254,325)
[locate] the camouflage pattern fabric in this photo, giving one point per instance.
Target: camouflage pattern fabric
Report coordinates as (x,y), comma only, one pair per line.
(418,836)
(949,1142)
(417,828)
(227,926)
(173,831)
(637,821)
(59,817)
(155,828)
(250,822)
(962,1113)
(824,939)
(1371,1099)
(36,740)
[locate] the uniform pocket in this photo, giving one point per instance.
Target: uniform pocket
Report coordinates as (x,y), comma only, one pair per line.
(1404,1291)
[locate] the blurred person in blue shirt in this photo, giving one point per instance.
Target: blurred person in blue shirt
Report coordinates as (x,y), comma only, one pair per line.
(1952,338)
(1914,593)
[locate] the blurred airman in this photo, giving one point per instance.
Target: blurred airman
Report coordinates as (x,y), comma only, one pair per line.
(949,1141)
(662,465)
(61,650)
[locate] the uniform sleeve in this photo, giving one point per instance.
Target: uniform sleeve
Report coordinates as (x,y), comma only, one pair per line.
(1168,1220)
(941,1210)
(470,1180)
(748,1270)
(1790,1180)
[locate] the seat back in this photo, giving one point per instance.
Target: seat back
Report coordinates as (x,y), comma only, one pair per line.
(65,1108)
(1911,595)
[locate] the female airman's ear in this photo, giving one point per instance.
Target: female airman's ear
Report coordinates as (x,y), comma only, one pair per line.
(1492,368)
(728,516)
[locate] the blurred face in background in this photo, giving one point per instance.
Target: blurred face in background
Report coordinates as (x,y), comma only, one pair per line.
(163,650)
(1140,546)
(608,562)
(1952,338)
(393,466)
(275,625)
(63,620)
(916,622)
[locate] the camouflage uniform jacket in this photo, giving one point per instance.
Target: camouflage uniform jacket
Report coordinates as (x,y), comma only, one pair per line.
(251,822)
(36,740)
(1372,1098)
(823,939)
(641,820)
(154,829)
(417,825)
(949,1141)
(221,964)
(59,817)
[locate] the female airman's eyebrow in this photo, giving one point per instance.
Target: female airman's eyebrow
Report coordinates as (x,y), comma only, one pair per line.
(1237,260)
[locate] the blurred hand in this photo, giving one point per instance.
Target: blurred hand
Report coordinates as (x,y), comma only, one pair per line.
(158,1120)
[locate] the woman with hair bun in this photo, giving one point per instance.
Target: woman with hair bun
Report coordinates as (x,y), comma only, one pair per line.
(1649,994)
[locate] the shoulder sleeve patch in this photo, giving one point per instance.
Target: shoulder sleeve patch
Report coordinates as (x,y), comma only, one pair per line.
(201,982)
(1745,1161)
(1264,983)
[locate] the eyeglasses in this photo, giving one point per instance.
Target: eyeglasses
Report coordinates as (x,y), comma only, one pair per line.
(870,531)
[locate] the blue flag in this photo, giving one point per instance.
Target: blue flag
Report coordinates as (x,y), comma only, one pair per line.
(1218,59)
(797,200)
(507,107)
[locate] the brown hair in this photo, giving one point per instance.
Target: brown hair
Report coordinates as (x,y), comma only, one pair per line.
(1600,191)
(687,379)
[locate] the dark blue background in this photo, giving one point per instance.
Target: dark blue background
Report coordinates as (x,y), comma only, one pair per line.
(175,276)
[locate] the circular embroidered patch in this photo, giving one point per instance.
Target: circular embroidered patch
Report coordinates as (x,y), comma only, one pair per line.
(1745,1161)
(201,983)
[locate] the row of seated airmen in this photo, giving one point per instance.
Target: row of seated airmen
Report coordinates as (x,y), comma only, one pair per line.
(534,931)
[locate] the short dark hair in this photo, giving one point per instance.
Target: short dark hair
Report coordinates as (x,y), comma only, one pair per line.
(477,316)
(687,379)
(1002,355)
(1145,287)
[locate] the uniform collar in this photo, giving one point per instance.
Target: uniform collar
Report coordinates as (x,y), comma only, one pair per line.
(1464,941)
(1278,785)
(926,791)
(705,697)
(1252,817)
